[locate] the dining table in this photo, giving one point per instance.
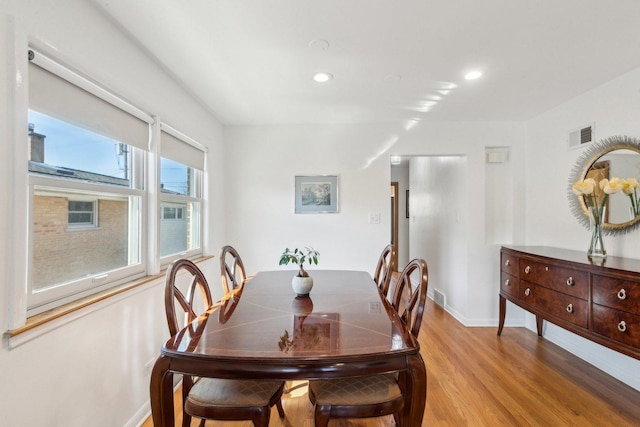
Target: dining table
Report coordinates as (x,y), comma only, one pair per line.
(263,330)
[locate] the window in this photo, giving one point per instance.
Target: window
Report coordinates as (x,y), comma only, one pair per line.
(180,203)
(86,175)
(96,212)
(71,189)
(173,213)
(82,214)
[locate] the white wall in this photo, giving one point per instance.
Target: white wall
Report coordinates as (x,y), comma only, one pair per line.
(439,225)
(262,163)
(614,108)
(89,368)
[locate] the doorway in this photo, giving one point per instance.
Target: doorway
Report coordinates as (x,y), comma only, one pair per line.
(394,221)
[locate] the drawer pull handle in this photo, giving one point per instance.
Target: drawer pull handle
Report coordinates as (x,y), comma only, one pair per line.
(527,292)
(527,269)
(570,281)
(507,283)
(570,308)
(622,294)
(507,263)
(622,326)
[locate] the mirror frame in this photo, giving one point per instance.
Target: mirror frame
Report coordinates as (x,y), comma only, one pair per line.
(586,160)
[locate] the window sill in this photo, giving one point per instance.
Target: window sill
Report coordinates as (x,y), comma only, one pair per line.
(47,318)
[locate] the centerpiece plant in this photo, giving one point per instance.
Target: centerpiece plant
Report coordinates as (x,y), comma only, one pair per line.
(301,282)
(299,256)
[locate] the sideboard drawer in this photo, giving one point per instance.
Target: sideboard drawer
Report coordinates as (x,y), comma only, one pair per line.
(554,303)
(509,284)
(566,280)
(615,324)
(509,264)
(617,293)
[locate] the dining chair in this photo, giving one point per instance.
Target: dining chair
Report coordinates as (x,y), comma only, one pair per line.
(380,394)
(213,398)
(232,269)
(385,268)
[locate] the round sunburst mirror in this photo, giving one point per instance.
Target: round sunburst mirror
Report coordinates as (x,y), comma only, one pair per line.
(616,156)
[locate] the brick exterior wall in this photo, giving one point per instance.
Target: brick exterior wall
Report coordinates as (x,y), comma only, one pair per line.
(61,254)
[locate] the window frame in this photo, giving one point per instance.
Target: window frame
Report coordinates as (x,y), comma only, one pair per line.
(196,200)
(196,195)
(60,293)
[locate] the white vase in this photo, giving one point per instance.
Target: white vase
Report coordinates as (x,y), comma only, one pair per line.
(302,285)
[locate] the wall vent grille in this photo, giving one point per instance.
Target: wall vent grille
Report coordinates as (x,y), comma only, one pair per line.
(439,298)
(580,137)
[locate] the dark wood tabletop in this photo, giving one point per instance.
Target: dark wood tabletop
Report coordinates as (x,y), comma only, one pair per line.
(263,331)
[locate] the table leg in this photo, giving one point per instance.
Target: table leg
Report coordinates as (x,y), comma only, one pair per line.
(503,312)
(161,392)
(416,387)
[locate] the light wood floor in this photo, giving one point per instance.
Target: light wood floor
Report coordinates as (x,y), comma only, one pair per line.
(475,378)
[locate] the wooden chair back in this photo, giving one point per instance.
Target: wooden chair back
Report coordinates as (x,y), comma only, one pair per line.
(384,268)
(184,271)
(231,268)
(179,272)
(410,294)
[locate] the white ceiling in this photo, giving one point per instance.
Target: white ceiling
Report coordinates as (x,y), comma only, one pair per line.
(252,61)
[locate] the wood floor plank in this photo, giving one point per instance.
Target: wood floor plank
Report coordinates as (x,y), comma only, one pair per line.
(477,379)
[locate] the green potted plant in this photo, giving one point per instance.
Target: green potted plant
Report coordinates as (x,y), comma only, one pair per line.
(301,282)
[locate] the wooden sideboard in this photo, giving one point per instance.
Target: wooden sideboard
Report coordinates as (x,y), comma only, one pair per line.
(598,300)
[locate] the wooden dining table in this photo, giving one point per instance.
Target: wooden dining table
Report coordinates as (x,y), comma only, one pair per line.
(262,330)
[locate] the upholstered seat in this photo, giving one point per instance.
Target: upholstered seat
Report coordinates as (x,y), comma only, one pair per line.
(211,392)
(365,390)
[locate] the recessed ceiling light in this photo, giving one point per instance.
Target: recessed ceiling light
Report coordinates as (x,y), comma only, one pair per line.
(396,160)
(322,77)
(319,44)
(472,75)
(393,78)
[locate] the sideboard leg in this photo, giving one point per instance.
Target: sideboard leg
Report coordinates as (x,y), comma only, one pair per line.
(539,325)
(503,312)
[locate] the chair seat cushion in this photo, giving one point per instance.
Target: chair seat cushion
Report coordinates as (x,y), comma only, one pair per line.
(224,392)
(355,390)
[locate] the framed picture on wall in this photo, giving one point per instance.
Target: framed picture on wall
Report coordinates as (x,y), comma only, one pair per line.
(316,194)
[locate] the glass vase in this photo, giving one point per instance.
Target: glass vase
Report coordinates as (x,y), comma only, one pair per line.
(596,248)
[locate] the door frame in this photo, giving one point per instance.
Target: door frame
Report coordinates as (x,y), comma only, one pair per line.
(394,221)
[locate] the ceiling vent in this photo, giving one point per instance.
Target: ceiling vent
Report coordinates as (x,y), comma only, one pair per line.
(580,137)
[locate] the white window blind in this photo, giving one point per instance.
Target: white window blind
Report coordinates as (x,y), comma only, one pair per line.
(181,151)
(56,97)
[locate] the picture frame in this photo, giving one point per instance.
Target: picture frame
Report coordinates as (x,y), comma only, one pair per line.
(316,194)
